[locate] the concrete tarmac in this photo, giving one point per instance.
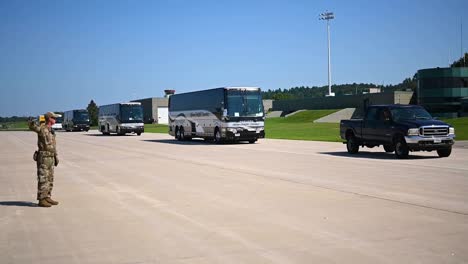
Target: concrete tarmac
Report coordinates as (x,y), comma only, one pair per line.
(151,199)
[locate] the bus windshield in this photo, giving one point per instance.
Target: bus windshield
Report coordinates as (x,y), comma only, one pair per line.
(131,114)
(244,103)
(81,116)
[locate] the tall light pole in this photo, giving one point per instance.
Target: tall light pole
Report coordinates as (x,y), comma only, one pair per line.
(327,16)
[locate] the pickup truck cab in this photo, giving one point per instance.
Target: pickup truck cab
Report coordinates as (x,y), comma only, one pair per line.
(399,128)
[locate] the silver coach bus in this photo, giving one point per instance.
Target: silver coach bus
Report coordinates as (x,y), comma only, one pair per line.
(74,120)
(121,118)
(220,114)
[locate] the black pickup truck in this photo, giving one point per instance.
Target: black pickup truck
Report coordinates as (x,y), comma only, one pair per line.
(399,128)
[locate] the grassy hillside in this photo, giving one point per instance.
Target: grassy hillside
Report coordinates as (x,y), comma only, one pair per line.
(301,126)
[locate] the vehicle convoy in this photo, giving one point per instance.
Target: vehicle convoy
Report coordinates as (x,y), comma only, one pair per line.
(220,114)
(76,120)
(121,118)
(400,129)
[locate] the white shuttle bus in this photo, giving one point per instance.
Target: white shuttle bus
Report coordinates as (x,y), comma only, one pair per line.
(121,118)
(220,114)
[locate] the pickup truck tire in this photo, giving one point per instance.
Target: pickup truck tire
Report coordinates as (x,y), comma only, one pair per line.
(443,153)
(352,145)
(401,148)
(388,148)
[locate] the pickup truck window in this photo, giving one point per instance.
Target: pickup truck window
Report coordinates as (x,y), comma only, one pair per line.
(372,114)
(410,114)
(384,114)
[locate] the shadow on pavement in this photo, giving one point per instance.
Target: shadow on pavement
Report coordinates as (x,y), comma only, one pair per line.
(374,155)
(193,142)
(177,142)
(18,203)
(111,135)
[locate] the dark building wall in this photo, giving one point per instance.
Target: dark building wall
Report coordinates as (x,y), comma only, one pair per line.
(440,90)
(340,102)
(147,105)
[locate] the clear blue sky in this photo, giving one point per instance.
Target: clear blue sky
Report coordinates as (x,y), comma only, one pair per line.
(58,55)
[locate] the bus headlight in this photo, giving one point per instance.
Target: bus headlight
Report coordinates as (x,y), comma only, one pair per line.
(413,132)
(451,130)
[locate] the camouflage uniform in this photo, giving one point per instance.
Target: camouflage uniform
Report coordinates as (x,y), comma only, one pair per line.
(46,159)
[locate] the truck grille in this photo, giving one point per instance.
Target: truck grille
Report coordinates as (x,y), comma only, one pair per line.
(434,131)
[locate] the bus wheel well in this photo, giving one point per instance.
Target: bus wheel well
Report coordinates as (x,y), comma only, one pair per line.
(217,135)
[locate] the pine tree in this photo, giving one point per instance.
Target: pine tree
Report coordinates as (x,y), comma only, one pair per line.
(93,112)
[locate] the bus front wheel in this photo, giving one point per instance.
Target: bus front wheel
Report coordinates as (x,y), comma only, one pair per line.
(217,137)
(181,134)
(177,133)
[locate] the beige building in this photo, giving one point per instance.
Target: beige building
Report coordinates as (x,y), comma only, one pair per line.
(155,110)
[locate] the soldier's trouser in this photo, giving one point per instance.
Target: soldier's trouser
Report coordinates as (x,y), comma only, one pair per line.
(45,176)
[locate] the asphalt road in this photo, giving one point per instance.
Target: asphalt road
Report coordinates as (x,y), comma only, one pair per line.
(150,199)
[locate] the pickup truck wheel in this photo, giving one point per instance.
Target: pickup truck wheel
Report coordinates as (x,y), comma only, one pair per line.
(401,149)
(443,153)
(352,145)
(388,148)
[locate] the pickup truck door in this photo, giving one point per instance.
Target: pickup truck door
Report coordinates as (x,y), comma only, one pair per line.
(369,125)
(383,126)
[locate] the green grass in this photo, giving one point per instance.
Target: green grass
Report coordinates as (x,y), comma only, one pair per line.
(301,127)
(14,126)
(461,127)
(156,128)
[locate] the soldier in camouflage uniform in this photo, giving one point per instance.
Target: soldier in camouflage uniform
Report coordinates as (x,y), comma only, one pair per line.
(46,158)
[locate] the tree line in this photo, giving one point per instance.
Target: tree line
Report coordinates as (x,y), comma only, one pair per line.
(340,89)
(92,108)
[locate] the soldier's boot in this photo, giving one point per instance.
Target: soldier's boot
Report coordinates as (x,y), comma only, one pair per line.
(44,203)
(52,202)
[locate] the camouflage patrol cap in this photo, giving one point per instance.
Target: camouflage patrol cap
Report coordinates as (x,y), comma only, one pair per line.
(51,115)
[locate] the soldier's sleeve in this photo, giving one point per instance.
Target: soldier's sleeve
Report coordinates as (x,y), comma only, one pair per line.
(34,127)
